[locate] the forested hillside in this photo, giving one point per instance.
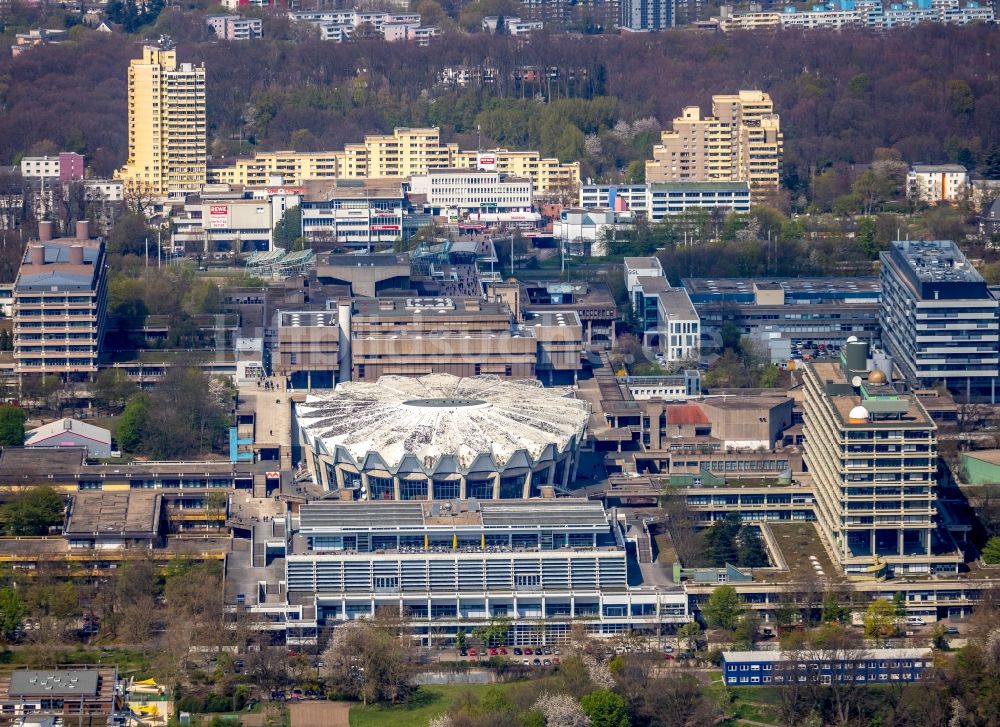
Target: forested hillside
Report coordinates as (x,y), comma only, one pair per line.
(840,95)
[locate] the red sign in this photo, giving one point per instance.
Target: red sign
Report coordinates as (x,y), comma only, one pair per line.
(385,227)
(218,209)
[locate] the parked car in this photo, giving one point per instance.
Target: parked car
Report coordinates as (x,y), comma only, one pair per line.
(528,652)
(517,651)
(473,652)
(546,662)
(463,652)
(503,651)
(951,630)
(536,662)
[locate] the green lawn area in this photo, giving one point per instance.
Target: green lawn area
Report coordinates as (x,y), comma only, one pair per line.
(426,703)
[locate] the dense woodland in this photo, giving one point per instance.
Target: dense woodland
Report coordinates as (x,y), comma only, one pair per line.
(840,95)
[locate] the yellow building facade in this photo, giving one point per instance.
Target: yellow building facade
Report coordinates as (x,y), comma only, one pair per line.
(403,153)
(167,136)
(740,142)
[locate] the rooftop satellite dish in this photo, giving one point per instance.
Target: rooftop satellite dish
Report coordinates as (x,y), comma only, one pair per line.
(855,380)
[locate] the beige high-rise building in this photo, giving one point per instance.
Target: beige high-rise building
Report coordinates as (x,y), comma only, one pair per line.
(740,142)
(166,124)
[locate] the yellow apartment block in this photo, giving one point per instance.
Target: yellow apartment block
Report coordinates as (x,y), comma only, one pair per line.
(166,124)
(740,142)
(403,153)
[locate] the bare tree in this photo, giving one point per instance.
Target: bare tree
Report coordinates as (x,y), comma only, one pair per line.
(369,662)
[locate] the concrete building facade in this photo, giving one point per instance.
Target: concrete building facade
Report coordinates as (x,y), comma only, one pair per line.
(60,304)
(872,453)
(740,142)
(167,137)
(404,153)
(235,27)
(936,183)
(939,319)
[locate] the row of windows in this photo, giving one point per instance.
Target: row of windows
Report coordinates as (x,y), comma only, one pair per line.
(465,573)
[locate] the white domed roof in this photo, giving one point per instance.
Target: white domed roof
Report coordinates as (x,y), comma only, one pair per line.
(858,412)
(441,415)
(852,339)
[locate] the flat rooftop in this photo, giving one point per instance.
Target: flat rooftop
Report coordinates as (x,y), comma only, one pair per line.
(831,372)
(486,514)
(677,302)
(128,514)
(936,261)
(793,287)
(40,462)
(54,683)
(367,260)
(445,307)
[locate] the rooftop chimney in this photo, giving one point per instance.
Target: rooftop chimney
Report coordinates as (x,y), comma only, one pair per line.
(76,254)
(38,254)
(82,230)
(45,230)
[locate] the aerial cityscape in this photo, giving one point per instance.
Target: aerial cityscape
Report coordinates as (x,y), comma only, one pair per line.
(499,363)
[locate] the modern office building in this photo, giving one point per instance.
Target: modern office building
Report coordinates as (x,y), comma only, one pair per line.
(442,437)
(222,219)
(658,200)
(939,319)
(167,134)
(448,567)
(740,142)
(478,194)
(60,304)
(666,315)
(404,153)
(358,214)
(872,453)
(861,666)
(804,311)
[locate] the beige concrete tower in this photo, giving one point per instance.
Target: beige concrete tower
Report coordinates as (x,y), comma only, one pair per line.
(166,124)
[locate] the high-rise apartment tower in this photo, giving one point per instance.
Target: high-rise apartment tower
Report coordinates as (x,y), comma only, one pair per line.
(166,124)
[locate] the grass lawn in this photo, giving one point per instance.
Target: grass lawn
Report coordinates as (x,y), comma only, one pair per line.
(426,703)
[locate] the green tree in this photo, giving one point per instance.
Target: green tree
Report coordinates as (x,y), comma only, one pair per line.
(880,621)
(991,551)
(606,709)
(990,166)
(833,611)
(747,632)
(689,636)
(635,172)
(289,228)
(720,541)
(752,552)
(723,608)
(12,611)
(132,424)
(867,237)
(12,420)
(961,100)
(33,510)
